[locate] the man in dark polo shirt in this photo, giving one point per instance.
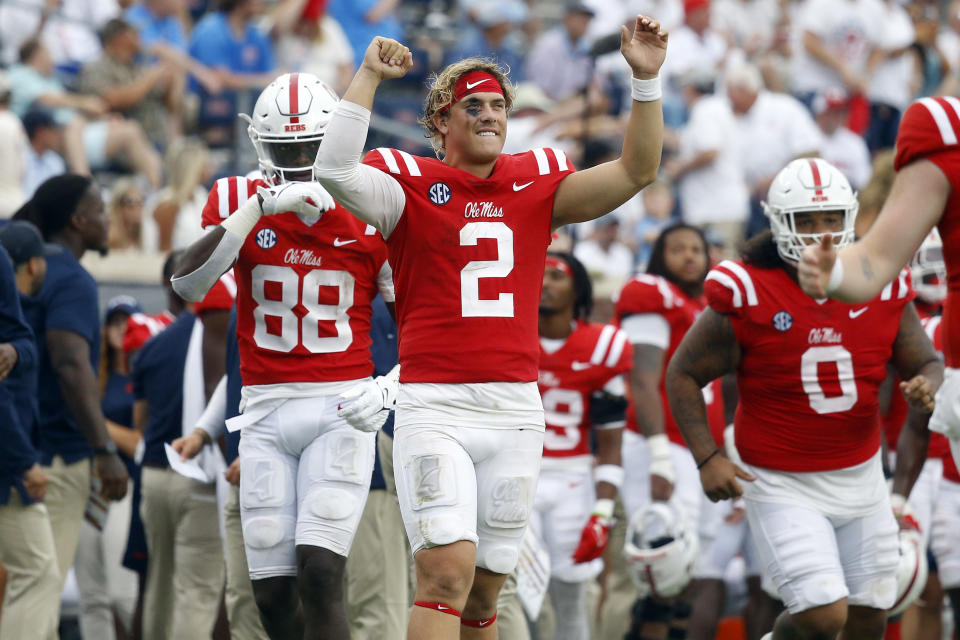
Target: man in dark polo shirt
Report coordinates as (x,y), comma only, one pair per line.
(31,606)
(65,318)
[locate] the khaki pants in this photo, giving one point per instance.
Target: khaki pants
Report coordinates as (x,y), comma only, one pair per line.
(106,586)
(511,620)
(67,493)
(31,606)
(619,594)
(377,578)
(185,571)
(241,607)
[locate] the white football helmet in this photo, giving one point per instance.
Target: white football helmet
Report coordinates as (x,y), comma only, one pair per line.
(928,270)
(660,550)
(808,184)
(911,570)
(287,125)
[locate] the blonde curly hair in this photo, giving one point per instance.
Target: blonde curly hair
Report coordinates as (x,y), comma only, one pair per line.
(440,97)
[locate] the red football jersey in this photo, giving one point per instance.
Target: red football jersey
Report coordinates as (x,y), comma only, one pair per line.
(569,377)
(303,290)
(809,371)
(141,327)
(929,130)
(652,294)
(468,257)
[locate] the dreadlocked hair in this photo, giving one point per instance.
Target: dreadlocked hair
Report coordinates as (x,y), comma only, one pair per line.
(760,251)
(440,96)
(54,203)
(657,264)
(582,288)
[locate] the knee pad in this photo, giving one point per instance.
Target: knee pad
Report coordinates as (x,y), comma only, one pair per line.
(266,532)
(443,529)
(499,559)
(331,503)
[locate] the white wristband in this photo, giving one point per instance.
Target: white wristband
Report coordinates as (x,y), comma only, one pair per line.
(603,508)
(661,463)
(836,276)
(609,473)
(898,503)
(645,90)
(659,446)
(242,221)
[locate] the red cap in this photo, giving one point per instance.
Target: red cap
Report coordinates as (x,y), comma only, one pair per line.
(474,82)
(314,10)
(693,5)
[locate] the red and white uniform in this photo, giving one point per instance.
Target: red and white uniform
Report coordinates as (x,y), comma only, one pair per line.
(929,130)
(649,294)
(653,311)
(141,327)
(303,329)
(578,379)
(468,255)
(807,427)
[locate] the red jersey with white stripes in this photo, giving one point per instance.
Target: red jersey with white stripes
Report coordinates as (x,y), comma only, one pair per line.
(809,371)
(468,257)
(141,327)
(574,383)
(930,130)
(650,294)
(303,290)
(939,446)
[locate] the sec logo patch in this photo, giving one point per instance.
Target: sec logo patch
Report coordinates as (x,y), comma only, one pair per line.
(266,238)
(782,321)
(439,193)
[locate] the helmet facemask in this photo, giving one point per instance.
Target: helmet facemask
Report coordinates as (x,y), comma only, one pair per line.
(791,243)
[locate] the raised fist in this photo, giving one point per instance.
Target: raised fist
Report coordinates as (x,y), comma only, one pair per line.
(387,58)
(307,199)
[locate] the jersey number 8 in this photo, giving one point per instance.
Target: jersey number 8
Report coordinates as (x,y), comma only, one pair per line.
(305,330)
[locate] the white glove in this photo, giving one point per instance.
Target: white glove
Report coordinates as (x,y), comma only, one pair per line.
(366,406)
(308,199)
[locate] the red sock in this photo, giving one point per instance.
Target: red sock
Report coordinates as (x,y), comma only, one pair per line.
(481,623)
(438,606)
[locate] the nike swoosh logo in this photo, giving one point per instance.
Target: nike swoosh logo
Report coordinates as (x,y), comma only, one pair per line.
(440,607)
(339,243)
(580,366)
(471,85)
(521,187)
(854,314)
(484,623)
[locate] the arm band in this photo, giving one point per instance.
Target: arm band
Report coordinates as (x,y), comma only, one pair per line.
(603,508)
(213,419)
(707,459)
(609,473)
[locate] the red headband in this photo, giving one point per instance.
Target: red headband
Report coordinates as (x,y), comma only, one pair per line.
(474,82)
(559,265)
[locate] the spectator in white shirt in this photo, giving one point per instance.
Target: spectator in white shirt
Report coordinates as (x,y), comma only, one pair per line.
(836,38)
(43,155)
(529,127)
(708,170)
(892,74)
(13,154)
(772,129)
(559,62)
(841,147)
(693,46)
(608,261)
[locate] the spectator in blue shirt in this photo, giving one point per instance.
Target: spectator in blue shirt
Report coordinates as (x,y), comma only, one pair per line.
(228,42)
(495,36)
(65,318)
(362,20)
(31,606)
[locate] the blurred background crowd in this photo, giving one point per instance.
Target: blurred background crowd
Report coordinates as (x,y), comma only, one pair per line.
(145,95)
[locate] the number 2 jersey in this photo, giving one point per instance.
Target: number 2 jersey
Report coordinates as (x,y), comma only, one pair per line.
(809,370)
(648,294)
(468,256)
(303,290)
(582,387)
(930,130)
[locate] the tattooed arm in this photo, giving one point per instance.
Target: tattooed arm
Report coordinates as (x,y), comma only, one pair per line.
(708,351)
(916,361)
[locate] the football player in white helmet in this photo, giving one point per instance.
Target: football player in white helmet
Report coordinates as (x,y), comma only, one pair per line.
(305,470)
(806,426)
